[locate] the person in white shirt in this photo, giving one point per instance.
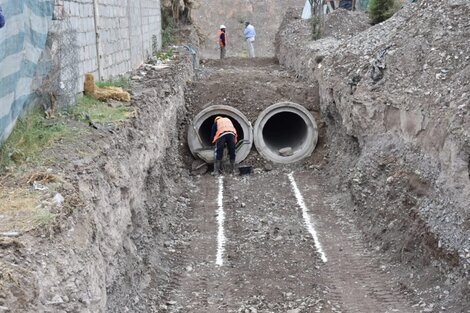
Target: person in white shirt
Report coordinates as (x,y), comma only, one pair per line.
(250,34)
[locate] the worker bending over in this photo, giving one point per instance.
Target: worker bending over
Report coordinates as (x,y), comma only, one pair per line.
(223,132)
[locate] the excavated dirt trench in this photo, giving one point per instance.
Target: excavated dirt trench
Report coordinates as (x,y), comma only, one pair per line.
(281,239)
(151,238)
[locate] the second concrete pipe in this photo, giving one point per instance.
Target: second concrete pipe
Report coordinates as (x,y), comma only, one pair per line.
(285,132)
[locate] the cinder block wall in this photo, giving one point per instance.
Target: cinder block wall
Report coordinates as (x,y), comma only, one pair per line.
(129,31)
(49,46)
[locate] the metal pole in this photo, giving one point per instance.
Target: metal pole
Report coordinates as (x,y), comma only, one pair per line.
(99,53)
(142,41)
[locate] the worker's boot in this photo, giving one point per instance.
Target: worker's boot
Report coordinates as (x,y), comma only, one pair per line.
(217,166)
(232,166)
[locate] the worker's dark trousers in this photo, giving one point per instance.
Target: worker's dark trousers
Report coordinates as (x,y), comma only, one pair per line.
(346,4)
(230,140)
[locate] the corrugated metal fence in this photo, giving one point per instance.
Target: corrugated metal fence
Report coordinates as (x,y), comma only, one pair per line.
(22,41)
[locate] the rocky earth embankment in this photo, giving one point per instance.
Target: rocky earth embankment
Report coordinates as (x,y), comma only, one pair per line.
(112,251)
(395,99)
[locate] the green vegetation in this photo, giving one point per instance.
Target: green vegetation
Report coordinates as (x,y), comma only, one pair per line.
(317,26)
(381,10)
(42,218)
(168,27)
(33,134)
(165,55)
(38,143)
(122,82)
(167,36)
(19,207)
(90,109)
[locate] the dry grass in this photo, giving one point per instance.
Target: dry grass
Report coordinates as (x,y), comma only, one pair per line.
(91,109)
(7,276)
(35,146)
(106,92)
(32,135)
(20,210)
(44,178)
(10,273)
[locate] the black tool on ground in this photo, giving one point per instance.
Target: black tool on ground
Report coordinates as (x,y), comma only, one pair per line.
(244,170)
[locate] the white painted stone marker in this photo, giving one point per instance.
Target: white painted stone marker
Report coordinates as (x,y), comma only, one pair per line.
(308,221)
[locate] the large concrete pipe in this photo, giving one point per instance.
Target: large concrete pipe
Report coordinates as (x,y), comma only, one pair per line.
(285,132)
(199,132)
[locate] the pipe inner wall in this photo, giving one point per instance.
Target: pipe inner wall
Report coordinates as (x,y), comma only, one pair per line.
(285,125)
(284,129)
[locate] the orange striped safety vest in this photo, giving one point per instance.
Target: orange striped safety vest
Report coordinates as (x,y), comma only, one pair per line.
(224,125)
(220,39)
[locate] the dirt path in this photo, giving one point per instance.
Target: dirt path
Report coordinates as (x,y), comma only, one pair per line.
(360,278)
(270,261)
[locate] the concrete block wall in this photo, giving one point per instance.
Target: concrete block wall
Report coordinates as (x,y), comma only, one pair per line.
(64,47)
(80,15)
(129,30)
(151,16)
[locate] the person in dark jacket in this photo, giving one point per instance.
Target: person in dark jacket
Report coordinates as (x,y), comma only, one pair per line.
(222,41)
(223,132)
(2,18)
(348,5)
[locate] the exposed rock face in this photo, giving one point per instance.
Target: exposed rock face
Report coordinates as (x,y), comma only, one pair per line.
(342,24)
(400,89)
(265,16)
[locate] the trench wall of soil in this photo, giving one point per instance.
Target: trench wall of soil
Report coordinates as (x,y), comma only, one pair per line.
(112,252)
(401,100)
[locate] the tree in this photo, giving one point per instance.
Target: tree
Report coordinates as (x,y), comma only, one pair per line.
(380,10)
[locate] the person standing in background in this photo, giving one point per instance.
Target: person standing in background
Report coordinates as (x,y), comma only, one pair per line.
(250,34)
(222,41)
(348,5)
(328,6)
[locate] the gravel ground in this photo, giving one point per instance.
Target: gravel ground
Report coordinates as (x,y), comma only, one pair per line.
(271,262)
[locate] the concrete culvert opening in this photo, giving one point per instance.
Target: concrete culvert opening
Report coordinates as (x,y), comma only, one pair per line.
(206,127)
(199,132)
(285,125)
(284,129)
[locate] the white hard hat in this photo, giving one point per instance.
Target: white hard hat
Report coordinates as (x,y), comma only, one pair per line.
(222,26)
